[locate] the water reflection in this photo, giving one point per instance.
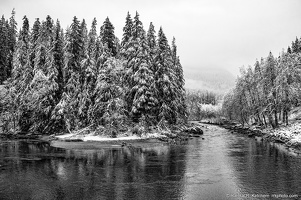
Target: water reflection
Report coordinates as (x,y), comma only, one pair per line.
(223,166)
(38,171)
(265,168)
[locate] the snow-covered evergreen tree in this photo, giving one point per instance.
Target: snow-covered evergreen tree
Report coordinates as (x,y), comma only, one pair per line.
(165,79)
(180,82)
(22,75)
(108,109)
(4,49)
(127,30)
(108,37)
(72,71)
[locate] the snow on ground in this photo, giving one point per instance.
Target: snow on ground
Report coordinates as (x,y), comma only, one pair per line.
(291,132)
(93,137)
(98,138)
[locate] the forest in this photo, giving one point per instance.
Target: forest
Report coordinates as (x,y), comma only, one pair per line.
(59,80)
(266,93)
(203,105)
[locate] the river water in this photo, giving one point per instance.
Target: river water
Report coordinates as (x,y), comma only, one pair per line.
(220,166)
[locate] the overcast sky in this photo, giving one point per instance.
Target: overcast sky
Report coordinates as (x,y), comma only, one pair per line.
(209,33)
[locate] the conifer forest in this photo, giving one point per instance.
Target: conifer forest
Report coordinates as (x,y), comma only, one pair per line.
(62,80)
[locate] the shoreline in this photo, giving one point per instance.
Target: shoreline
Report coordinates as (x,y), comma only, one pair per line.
(287,136)
(92,140)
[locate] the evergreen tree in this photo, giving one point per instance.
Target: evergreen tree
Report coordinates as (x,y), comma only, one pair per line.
(295,46)
(69,103)
(143,88)
(180,82)
(21,77)
(57,122)
(3,50)
(44,86)
(138,30)
(152,47)
(289,49)
(108,37)
(165,81)
(35,33)
(12,36)
(22,72)
(58,54)
(108,109)
(127,30)
(140,98)
(92,39)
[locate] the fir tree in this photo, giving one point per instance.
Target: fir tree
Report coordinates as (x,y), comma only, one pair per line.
(180,82)
(289,50)
(152,47)
(12,35)
(151,37)
(144,99)
(58,54)
(3,50)
(21,77)
(295,46)
(73,69)
(108,109)
(127,30)
(165,81)
(35,34)
(138,30)
(108,37)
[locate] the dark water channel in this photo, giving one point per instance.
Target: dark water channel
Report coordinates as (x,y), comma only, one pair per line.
(223,166)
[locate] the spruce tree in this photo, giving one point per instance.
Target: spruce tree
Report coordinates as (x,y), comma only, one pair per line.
(3,50)
(152,48)
(143,89)
(289,50)
(180,82)
(35,33)
(12,37)
(44,86)
(108,109)
(138,74)
(138,30)
(57,122)
(295,46)
(22,75)
(165,79)
(108,37)
(127,30)
(58,54)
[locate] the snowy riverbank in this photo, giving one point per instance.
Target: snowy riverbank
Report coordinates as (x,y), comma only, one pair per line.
(289,136)
(102,138)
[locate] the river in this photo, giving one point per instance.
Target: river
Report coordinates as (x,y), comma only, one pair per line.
(221,165)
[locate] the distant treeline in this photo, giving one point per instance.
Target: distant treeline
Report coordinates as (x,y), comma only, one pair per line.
(202,104)
(264,94)
(59,80)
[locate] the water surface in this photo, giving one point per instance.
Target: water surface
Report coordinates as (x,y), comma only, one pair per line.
(220,166)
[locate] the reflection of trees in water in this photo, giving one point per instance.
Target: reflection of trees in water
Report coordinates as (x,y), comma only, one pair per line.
(139,173)
(264,168)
